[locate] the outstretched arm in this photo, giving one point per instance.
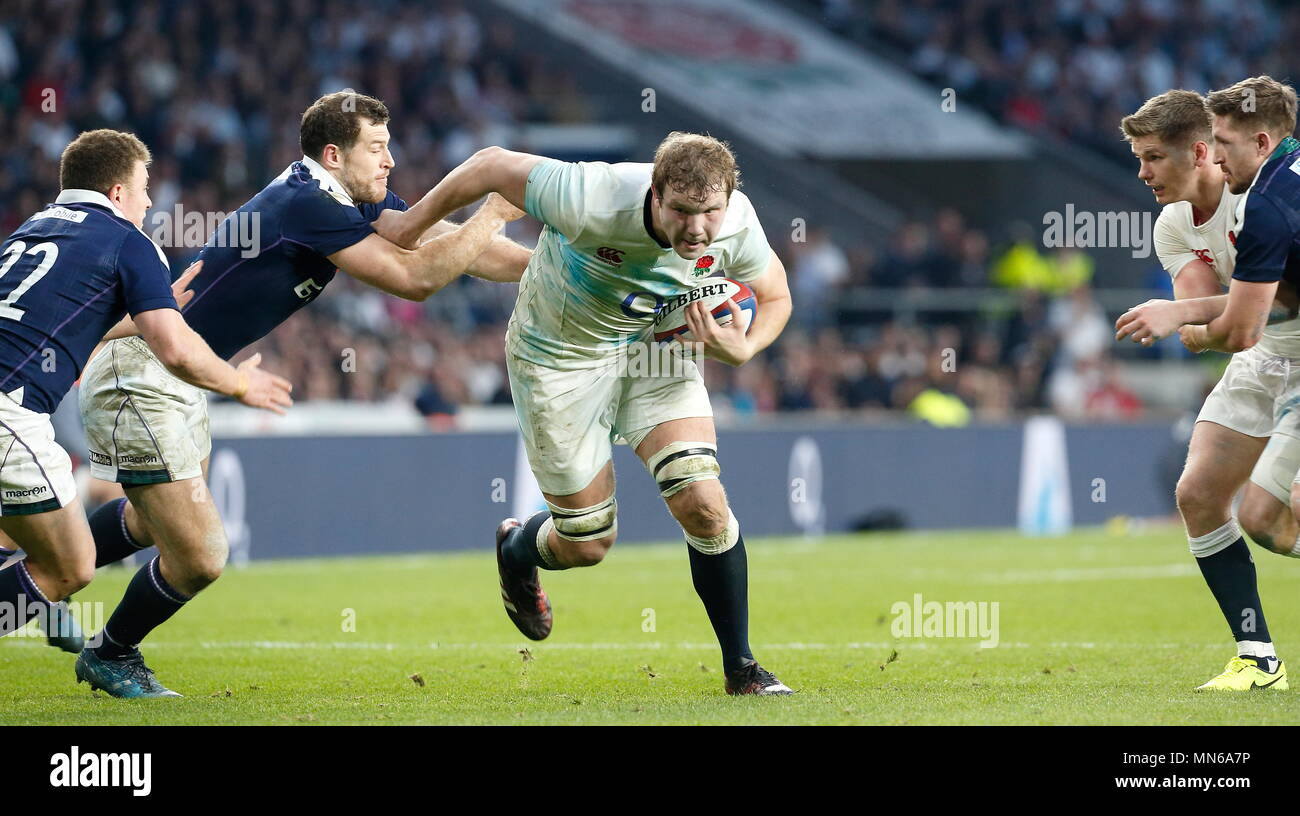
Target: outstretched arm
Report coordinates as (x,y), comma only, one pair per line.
(1198,303)
(1221,322)
(417,274)
(185,354)
(1244,316)
(503,261)
(490,170)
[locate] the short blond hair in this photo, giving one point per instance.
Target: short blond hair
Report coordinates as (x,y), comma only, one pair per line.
(1177,118)
(1260,104)
(694,164)
(99,159)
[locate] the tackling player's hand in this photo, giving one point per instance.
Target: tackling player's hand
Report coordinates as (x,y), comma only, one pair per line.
(1152,321)
(496,206)
(180,286)
(727,344)
(261,389)
(1193,338)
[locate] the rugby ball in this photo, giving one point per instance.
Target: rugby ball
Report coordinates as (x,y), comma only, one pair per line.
(670,321)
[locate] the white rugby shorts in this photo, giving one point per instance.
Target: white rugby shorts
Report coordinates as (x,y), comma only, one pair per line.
(570,418)
(1258,396)
(142,423)
(35,472)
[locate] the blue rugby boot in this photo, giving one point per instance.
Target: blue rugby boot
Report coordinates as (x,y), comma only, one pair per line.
(127,677)
(64,632)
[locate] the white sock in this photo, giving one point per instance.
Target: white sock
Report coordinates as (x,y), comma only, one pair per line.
(1255,648)
(1216,541)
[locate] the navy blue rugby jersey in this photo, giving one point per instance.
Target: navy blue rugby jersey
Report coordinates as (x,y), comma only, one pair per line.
(67,276)
(1268,227)
(268,259)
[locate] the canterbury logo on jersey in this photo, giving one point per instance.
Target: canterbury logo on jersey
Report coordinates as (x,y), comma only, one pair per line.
(610,255)
(1205,255)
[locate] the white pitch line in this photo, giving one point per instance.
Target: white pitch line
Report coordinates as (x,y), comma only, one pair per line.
(1063,574)
(905,644)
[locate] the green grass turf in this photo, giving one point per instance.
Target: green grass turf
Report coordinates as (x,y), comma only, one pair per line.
(1096,627)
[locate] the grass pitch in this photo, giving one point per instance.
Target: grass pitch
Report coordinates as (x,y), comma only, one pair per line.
(1093,628)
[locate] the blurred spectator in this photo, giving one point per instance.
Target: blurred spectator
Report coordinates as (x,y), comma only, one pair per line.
(1081,326)
(216,90)
(1111,399)
(820,268)
(1072,68)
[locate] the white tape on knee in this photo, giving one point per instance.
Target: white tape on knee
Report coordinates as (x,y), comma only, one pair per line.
(543,544)
(587,523)
(721,542)
(678,464)
(1211,543)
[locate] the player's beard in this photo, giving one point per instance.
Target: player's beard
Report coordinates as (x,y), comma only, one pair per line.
(1240,182)
(361,192)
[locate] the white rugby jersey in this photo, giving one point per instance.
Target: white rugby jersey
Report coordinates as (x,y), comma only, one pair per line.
(1178,242)
(598,275)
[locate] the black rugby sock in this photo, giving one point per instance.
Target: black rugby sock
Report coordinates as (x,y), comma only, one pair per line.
(20,600)
(113,541)
(148,602)
(722,582)
(1230,574)
(519,550)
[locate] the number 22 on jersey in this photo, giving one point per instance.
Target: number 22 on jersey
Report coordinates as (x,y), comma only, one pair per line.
(50,253)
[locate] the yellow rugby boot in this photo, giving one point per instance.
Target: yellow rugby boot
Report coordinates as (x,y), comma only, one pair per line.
(1245,674)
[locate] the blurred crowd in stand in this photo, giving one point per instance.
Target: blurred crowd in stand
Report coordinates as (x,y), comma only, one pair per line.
(217,91)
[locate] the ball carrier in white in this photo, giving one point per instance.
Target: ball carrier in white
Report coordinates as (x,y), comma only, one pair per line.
(619,239)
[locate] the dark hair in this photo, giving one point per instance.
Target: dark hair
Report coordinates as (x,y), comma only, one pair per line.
(99,159)
(335,119)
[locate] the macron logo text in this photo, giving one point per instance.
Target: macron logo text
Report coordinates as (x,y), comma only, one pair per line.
(91,770)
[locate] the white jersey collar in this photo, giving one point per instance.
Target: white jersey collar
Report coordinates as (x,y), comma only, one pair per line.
(93,197)
(327,181)
(75,196)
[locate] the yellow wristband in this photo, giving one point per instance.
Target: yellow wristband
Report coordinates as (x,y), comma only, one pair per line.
(242,388)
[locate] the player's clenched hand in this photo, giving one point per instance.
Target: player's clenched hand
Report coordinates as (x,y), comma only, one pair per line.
(496,206)
(727,344)
(261,389)
(1152,321)
(181,286)
(1193,338)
